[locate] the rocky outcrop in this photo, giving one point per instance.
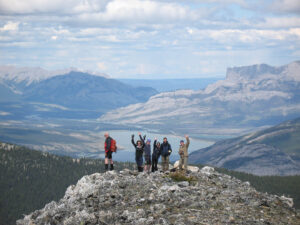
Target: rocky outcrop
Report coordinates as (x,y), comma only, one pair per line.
(204,197)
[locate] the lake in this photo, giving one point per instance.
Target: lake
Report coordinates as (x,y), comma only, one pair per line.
(126,152)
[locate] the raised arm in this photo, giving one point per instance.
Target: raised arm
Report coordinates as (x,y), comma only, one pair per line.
(154,143)
(187,141)
(132,140)
(142,140)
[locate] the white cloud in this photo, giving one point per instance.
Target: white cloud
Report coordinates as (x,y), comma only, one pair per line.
(4,113)
(101,66)
(239,2)
(148,36)
(46,6)
(246,36)
(95,12)
(279,22)
(10,26)
(139,12)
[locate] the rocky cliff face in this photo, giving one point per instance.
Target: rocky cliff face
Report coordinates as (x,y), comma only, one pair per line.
(206,197)
(250,96)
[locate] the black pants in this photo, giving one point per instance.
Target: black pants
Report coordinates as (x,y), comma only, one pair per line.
(154,164)
(108,155)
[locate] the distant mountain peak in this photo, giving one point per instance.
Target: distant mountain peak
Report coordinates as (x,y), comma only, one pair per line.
(258,70)
(29,75)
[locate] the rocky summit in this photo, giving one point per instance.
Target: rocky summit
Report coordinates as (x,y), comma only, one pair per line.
(128,197)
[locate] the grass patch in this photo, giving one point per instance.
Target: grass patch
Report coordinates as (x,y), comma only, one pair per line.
(179,176)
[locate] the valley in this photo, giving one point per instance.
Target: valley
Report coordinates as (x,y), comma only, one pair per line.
(66,114)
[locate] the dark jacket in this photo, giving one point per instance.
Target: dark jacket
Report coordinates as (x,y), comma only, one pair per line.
(107,144)
(138,150)
(156,151)
(165,149)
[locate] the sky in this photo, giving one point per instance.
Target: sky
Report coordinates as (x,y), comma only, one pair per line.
(149,38)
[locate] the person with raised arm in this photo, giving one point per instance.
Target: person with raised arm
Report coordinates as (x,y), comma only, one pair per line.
(147,155)
(183,153)
(139,150)
(155,154)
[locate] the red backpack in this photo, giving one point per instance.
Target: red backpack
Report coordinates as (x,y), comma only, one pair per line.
(113,145)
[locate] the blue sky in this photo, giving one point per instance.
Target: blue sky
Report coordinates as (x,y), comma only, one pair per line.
(149,38)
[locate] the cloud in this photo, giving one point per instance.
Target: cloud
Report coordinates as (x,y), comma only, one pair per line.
(53,6)
(292,6)
(10,26)
(54,37)
(138,12)
(246,36)
(147,37)
(101,66)
(279,22)
(94,12)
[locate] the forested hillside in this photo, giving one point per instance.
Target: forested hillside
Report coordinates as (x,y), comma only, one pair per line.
(288,186)
(29,179)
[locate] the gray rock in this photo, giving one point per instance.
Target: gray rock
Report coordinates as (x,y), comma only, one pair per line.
(124,198)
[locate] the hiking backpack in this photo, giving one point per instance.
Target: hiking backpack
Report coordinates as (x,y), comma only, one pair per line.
(113,145)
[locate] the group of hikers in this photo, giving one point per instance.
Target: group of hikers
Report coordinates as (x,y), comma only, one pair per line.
(143,152)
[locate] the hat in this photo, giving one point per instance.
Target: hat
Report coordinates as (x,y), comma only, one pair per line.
(182,141)
(148,140)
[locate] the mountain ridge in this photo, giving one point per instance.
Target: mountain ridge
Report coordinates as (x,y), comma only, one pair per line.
(74,90)
(236,102)
(272,151)
(29,75)
(86,91)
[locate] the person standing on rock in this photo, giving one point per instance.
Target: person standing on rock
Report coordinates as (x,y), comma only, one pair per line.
(155,154)
(183,153)
(139,150)
(147,155)
(166,150)
(108,152)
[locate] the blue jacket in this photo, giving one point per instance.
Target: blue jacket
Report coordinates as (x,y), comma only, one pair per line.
(147,150)
(165,149)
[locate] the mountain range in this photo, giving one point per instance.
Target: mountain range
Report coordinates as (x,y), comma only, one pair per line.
(249,97)
(272,151)
(69,92)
